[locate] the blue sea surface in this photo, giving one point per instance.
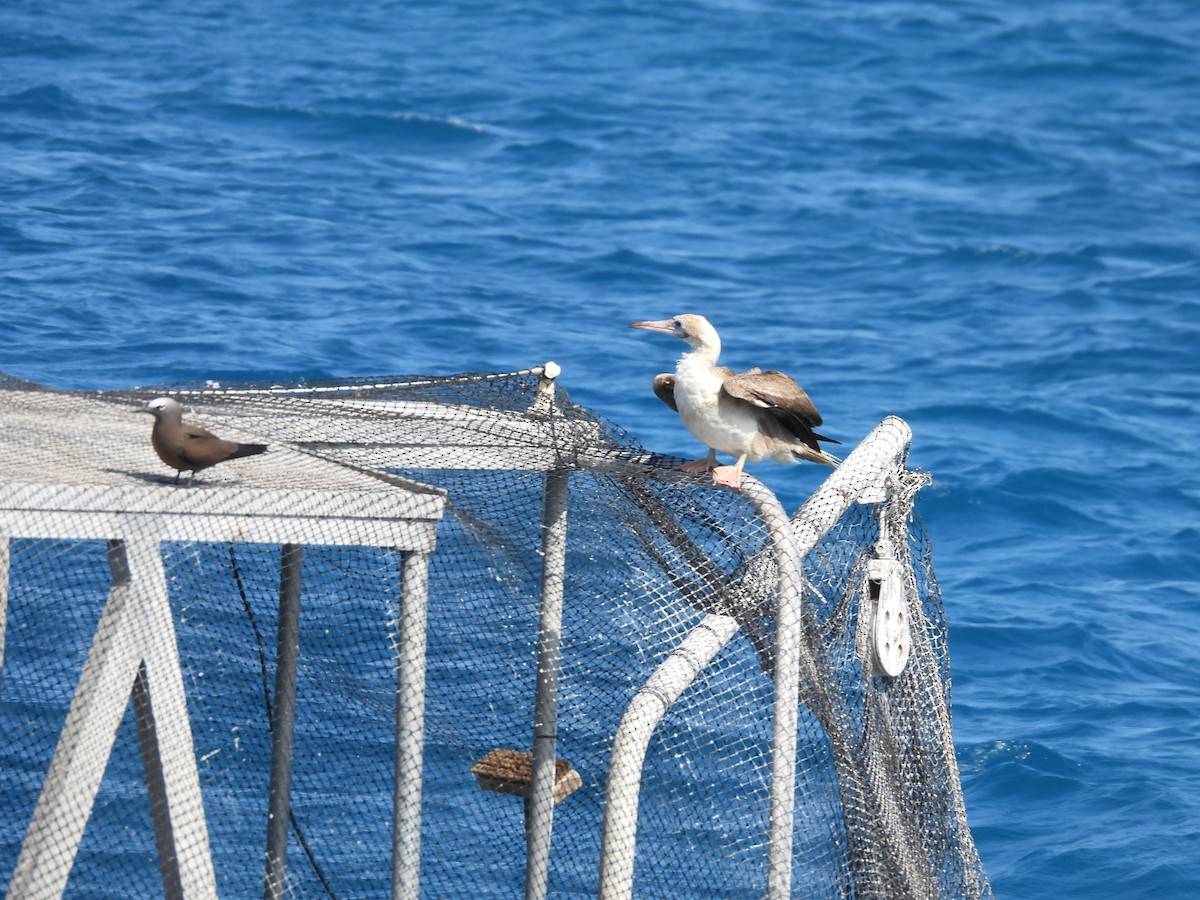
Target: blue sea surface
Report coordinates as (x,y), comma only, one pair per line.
(981,216)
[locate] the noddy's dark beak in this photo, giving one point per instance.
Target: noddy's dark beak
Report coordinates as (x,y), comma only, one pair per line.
(665,326)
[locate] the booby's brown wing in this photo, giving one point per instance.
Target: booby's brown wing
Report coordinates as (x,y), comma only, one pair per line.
(780,395)
(664,389)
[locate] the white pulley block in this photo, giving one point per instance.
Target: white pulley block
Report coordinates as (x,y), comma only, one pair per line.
(891,636)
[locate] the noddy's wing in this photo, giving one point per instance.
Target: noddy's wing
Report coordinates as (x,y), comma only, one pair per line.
(189,433)
(782,397)
(664,389)
(201,447)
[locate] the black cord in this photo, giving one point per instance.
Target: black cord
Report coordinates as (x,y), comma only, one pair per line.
(262,666)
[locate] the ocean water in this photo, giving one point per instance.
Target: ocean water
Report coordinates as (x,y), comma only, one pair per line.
(981,216)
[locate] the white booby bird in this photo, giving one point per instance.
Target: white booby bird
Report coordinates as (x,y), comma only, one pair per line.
(751,415)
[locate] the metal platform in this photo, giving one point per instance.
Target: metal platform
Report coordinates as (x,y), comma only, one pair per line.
(72,468)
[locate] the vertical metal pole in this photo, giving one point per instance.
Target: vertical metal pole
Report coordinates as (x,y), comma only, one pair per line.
(789,627)
(869,464)
(283,721)
(410,727)
(540,807)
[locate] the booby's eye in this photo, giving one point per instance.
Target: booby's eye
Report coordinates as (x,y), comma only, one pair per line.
(677,323)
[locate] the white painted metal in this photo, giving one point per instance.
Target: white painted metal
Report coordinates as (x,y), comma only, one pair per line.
(77,470)
(410,727)
(866,471)
(539,808)
(637,726)
(668,682)
(85,471)
(4,564)
(135,634)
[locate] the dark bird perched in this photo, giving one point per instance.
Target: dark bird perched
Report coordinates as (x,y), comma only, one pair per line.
(751,415)
(189,448)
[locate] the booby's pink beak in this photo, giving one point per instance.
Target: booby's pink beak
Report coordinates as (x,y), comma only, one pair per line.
(666,326)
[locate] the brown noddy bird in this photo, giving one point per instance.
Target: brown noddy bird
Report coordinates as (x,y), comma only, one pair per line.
(189,448)
(752,415)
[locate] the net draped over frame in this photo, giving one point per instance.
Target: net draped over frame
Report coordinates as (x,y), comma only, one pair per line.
(879,810)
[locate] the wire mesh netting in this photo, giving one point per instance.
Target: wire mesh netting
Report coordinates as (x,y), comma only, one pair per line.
(367,482)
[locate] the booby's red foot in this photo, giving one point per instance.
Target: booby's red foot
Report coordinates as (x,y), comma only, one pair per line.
(730,476)
(697,466)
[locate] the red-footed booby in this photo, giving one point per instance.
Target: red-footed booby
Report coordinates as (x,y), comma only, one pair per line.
(189,448)
(751,415)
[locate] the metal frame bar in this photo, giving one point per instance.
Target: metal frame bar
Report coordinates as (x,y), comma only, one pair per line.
(283,721)
(134,642)
(645,711)
(410,727)
(156,786)
(539,808)
(133,652)
(789,635)
(5,562)
(865,471)
(133,649)
(673,676)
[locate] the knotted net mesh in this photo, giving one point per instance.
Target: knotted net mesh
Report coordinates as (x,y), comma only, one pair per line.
(366,483)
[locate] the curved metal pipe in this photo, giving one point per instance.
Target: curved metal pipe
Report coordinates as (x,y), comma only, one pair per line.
(864,474)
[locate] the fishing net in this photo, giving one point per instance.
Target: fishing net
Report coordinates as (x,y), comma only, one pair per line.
(315,672)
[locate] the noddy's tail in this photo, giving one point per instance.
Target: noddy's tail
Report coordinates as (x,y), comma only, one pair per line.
(248,450)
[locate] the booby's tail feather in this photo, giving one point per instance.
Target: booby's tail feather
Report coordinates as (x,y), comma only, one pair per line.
(817,456)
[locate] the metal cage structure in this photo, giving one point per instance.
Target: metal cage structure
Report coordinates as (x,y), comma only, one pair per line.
(456,635)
